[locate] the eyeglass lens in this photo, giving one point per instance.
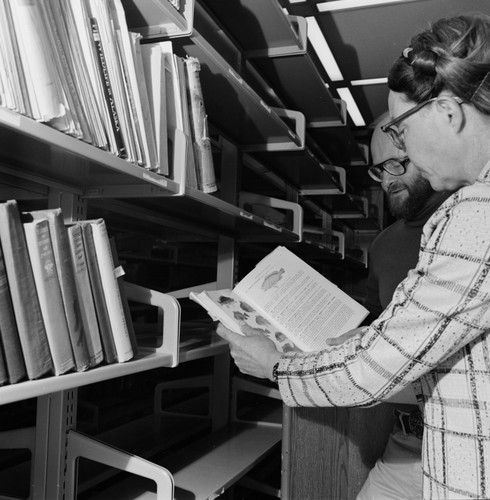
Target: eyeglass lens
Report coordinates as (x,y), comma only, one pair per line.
(393,167)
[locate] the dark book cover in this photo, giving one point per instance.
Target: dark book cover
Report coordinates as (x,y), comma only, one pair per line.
(12,350)
(105,329)
(89,315)
(49,293)
(67,280)
(23,292)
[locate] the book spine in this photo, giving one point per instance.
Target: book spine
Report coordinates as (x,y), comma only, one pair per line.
(12,349)
(25,301)
(55,32)
(14,66)
(67,281)
(199,128)
(108,93)
(124,298)
(154,69)
(46,279)
(82,279)
(180,90)
(148,131)
(4,378)
(110,286)
(46,98)
(105,329)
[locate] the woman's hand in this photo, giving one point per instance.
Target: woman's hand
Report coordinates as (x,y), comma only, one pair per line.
(344,337)
(254,353)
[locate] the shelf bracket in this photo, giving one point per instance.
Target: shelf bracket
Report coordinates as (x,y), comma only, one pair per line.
(341,239)
(257,199)
(81,446)
(299,26)
(313,190)
(170,309)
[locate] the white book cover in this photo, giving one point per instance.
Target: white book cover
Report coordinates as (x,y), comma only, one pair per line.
(154,68)
(122,339)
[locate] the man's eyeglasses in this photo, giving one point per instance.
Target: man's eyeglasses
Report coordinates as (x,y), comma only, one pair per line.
(397,136)
(392,166)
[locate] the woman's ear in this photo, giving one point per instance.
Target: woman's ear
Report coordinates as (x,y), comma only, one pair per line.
(452,112)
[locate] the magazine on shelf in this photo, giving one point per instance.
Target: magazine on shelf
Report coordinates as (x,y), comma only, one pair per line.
(288,300)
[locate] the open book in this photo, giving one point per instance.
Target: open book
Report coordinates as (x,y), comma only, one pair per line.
(292,303)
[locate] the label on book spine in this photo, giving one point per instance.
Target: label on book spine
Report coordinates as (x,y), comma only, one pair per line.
(108,93)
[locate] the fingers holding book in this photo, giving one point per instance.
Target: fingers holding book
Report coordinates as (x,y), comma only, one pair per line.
(253,353)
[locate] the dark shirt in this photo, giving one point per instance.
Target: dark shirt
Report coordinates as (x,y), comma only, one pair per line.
(392,254)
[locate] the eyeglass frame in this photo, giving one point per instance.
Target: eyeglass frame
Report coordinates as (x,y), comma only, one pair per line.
(381,167)
(394,134)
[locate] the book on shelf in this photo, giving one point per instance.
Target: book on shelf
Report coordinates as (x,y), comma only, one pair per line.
(12,350)
(201,141)
(174,109)
(4,377)
(28,316)
(75,114)
(134,88)
(149,131)
(45,93)
(108,272)
(118,145)
(289,301)
(15,96)
(49,292)
(64,23)
(102,313)
(88,54)
(67,281)
(103,12)
(124,298)
(84,289)
(181,82)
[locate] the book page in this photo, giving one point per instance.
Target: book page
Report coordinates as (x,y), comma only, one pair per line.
(233,311)
(299,301)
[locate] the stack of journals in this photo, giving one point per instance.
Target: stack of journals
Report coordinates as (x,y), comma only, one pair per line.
(62,306)
(76,67)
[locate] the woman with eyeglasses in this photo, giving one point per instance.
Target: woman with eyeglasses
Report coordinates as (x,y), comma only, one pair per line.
(397,474)
(436,330)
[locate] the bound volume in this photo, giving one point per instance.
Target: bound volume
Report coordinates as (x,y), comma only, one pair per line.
(27,311)
(289,301)
(66,276)
(49,293)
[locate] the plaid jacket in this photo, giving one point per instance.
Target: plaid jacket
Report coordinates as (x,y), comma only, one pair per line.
(434,333)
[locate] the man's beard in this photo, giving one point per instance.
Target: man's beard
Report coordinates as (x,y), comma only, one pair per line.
(412,204)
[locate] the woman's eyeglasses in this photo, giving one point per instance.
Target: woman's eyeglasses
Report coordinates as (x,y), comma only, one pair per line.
(397,136)
(392,166)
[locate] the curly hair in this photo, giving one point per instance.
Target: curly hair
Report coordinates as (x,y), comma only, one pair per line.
(452,55)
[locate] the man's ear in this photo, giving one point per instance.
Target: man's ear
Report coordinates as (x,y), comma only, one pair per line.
(452,113)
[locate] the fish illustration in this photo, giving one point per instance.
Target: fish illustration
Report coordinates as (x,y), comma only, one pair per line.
(261,320)
(246,307)
(240,315)
(272,279)
(224,300)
